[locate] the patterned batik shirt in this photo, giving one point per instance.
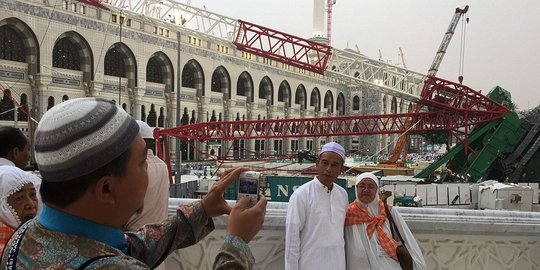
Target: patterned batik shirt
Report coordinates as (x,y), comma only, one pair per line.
(5,234)
(42,248)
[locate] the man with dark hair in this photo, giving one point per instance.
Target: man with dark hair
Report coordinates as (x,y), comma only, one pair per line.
(14,147)
(93,163)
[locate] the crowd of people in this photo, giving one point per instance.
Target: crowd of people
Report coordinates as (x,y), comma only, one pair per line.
(102,197)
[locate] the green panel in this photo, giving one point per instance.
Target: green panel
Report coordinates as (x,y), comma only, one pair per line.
(501,96)
(456,154)
(282,187)
(502,141)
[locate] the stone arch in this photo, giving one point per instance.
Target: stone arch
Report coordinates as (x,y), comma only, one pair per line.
(315,99)
(266,90)
(284,93)
(165,70)
(329,101)
(84,52)
(394,106)
(300,96)
(340,104)
(193,76)
(221,82)
(29,40)
(244,86)
(120,60)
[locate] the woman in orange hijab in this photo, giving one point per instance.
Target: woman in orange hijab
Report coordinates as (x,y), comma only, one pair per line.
(368,239)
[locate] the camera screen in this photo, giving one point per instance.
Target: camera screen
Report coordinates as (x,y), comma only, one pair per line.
(247,186)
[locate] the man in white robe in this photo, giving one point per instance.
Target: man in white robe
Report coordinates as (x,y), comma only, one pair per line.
(365,216)
(316,216)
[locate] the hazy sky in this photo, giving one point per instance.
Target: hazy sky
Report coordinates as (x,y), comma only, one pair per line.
(502,39)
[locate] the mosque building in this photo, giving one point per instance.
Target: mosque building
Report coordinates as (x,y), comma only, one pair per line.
(167,75)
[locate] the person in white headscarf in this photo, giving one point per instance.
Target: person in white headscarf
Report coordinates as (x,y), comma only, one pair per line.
(315,217)
(368,238)
(18,200)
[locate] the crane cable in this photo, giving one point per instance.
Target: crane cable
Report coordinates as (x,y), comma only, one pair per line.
(462,48)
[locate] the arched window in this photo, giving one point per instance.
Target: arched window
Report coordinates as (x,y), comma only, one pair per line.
(11,45)
(143,113)
(188,77)
(50,102)
(66,55)
(115,64)
(192,120)
(161,118)
(124,106)
(185,117)
(154,71)
(356,103)
(241,87)
(152,117)
(65,98)
(6,107)
(23,109)
(216,82)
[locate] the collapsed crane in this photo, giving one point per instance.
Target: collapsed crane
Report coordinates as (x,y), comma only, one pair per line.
(446,106)
(400,146)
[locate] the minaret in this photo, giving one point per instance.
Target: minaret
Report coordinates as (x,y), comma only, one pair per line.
(318,21)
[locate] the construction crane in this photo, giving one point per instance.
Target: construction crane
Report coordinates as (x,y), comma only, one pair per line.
(447,106)
(446,41)
(329,5)
(399,148)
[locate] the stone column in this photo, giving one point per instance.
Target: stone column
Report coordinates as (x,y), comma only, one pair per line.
(250,144)
(40,86)
(269,144)
(137,97)
(287,141)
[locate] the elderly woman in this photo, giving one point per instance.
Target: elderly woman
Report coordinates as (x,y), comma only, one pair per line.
(368,239)
(18,200)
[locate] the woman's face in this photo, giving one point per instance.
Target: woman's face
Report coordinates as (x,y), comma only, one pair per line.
(366,190)
(24,202)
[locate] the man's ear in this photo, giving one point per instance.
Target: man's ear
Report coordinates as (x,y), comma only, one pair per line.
(104,190)
(13,153)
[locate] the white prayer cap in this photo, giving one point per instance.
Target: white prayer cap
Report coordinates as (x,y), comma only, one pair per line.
(334,147)
(145,130)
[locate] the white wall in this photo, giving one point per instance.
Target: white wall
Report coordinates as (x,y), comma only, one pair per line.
(449,238)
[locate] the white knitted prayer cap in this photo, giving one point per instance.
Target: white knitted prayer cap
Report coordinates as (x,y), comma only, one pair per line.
(145,130)
(79,136)
(335,148)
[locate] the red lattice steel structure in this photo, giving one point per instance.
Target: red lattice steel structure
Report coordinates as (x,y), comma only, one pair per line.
(445,106)
(282,47)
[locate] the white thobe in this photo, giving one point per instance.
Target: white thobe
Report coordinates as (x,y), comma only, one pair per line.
(314,227)
(6,162)
(363,253)
(156,199)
